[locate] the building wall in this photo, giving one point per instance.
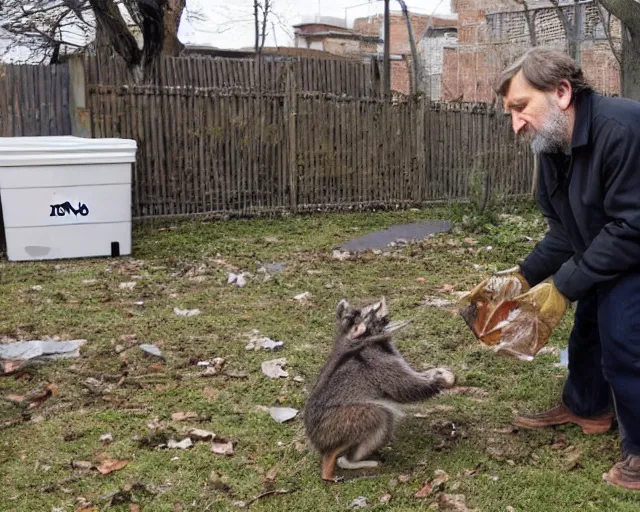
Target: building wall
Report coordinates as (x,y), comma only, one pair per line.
(493,33)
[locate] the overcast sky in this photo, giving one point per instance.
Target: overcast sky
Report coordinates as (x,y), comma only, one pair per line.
(229,23)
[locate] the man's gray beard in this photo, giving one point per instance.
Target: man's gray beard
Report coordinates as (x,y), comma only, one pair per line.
(552,136)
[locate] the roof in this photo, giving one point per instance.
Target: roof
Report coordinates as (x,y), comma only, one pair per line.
(273,51)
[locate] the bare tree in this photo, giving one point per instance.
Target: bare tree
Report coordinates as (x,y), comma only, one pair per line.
(530,18)
(628,12)
(45,27)
(262,10)
(416,75)
(571,27)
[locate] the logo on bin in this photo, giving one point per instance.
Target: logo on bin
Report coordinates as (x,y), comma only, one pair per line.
(64,209)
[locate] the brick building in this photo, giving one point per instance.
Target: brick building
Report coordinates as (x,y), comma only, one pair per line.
(365,40)
(492,33)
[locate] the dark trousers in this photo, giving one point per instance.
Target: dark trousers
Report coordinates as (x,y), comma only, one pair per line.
(604,358)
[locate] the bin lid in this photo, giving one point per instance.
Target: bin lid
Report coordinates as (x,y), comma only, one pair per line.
(66,149)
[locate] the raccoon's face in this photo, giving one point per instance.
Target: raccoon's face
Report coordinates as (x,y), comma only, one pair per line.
(354,322)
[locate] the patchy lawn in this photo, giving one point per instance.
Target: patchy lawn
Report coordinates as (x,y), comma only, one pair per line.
(465,434)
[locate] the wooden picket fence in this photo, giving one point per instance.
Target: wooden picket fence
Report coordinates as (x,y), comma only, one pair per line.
(222,137)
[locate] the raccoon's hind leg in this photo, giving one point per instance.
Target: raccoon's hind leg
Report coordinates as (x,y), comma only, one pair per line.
(381,424)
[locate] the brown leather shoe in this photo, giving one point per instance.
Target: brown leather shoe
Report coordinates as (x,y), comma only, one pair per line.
(561,415)
(625,474)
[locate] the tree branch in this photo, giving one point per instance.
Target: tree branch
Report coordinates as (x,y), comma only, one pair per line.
(531,22)
(109,20)
(606,25)
(627,11)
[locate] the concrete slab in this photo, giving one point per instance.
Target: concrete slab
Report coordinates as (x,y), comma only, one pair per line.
(381,239)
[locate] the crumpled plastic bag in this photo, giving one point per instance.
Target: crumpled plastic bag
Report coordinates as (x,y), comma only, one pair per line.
(509,321)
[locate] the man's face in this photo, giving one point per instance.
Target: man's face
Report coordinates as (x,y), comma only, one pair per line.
(541,119)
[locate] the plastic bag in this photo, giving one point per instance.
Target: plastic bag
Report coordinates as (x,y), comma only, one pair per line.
(512,323)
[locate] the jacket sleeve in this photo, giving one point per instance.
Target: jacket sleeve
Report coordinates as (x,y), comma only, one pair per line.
(616,248)
(553,250)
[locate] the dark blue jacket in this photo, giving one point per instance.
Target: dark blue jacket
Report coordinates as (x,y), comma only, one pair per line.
(591,200)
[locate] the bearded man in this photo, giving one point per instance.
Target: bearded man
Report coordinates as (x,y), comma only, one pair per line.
(589,193)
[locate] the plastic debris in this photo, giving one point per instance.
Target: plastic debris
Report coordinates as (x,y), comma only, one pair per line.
(237,279)
(14,356)
(273,368)
(152,350)
(283,414)
(186,312)
(182,445)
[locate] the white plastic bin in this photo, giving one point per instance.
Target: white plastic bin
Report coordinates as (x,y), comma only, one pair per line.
(66,197)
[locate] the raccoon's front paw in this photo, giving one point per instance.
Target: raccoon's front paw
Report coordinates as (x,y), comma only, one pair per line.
(441,377)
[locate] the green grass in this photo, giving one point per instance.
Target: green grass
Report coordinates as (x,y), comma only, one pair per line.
(186,267)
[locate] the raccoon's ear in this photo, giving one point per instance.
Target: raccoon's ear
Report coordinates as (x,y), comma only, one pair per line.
(383,311)
(343,307)
(357,330)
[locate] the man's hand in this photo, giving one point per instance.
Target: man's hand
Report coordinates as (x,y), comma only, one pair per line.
(546,302)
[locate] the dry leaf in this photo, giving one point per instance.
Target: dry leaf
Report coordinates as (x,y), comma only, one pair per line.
(440,478)
(36,400)
(403,479)
(109,466)
(453,503)
(222,447)
(128,286)
(271,474)
(385,498)
(573,456)
(211,394)
(425,491)
(182,416)
(201,435)
(134,508)
(82,464)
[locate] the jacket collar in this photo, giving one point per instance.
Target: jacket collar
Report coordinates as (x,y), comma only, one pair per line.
(582,123)
(581,134)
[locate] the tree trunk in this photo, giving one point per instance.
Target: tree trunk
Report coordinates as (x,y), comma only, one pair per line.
(630,69)
(172,16)
(628,12)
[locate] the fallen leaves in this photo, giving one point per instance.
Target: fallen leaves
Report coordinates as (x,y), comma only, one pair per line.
(183,416)
(222,447)
(35,398)
(109,466)
(453,503)
(425,491)
(573,454)
(197,434)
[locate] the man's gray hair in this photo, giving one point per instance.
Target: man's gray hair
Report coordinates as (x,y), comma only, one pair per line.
(544,68)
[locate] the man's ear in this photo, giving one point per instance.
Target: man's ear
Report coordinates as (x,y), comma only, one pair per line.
(563,94)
